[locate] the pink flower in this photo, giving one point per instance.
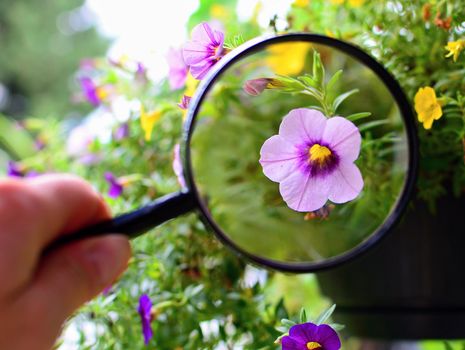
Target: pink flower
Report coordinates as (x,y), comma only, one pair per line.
(177,73)
(177,165)
(184,102)
(312,158)
(204,49)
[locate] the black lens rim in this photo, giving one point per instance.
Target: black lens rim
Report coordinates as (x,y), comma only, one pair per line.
(396,92)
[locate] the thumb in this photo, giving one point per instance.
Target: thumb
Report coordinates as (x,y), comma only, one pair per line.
(75,273)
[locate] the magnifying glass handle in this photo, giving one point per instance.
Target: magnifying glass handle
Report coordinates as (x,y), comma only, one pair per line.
(135,223)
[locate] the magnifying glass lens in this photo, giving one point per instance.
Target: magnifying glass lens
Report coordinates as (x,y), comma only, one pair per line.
(299,153)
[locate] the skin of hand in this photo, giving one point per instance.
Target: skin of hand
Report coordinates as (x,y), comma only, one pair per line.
(38,293)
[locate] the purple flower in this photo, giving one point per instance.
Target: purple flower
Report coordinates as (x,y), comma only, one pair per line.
(307,336)
(116,187)
(13,170)
(177,165)
(312,158)
(145,308)
(255,87)
(178,69)
(185,102)
(90,91)
(204,49)
(121,132)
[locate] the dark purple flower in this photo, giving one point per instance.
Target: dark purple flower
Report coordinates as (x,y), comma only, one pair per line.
(90,91)
(204,49)
(184,102)
(106,292)
(116,188)
(122,132)
(145,308)
(309,336)
(13,170)
(177,73)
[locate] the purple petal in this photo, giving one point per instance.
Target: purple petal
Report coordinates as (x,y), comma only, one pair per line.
(116,189)
(347,183)
(199,71)
(145,307)
(178,69)
(90,91)
(13,170)
(305,193)
(322,334)
(290,343)
(278,158)
(255,87)
(305,332)
(177,166)
(328,338)
(343,137)
(203,33)
(303,125)
(122,132)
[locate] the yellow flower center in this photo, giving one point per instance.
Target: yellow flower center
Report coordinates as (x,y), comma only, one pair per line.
(313,345)
(319,154)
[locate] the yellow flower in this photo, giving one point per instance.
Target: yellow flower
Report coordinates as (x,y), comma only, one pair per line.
(288,58)
(455,47)
(336,2)
(147,122)
(191,85)
(356,3)
(219,11)
(301,3)
(427,106)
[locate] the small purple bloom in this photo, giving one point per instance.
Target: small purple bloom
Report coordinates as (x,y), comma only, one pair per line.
(145,308)
(90,91)
(309,336)
(13,170)
(122,132)
(177,73)
(255,87)
(204,49)
(116,188)
(184,102)
(177,165)
(312,158)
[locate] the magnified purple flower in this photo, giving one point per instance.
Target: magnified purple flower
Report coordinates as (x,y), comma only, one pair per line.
(185,102)
(145,308)
(13,170)
(116,187)
(177,165)
(309,336)
(312,158)
(178,69)
(204,49)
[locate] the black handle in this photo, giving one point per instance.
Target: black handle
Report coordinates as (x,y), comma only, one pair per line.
(135,223)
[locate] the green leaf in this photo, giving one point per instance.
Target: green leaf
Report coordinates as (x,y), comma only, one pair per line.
(303,316)
(318,70)
(287,322)
(325,315)
(332,82)
(17,142)
(448,346)
(371,125)
(337,327)
(308,80)
(357,116)
(338,100)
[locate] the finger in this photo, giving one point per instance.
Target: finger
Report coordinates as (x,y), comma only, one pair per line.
(73,274)
(33,213)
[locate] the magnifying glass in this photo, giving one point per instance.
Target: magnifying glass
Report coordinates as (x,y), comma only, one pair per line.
(299,153)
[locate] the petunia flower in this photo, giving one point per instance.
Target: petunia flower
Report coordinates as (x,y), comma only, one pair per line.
(178,69)
(255,87)
(184,104)
(177,165)
(301,3)
(287,58)
(309,336)
(427,106)
(121,132)
(455,48)
(90,91)
(147,121)
(312,158)
(14,170)
(204,49)
(145,308)
(116,187)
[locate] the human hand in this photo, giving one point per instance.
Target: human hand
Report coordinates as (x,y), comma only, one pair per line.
(38,293)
